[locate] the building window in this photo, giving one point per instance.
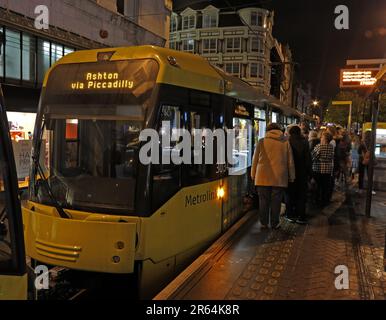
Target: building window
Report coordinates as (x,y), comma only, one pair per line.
(209,21)
(29,58)
(256,70)
(56,52)
(174,24)
(188,45)
(188,22)
(209,46)
(233,45)
(173,45)
(68,51)
(257,45)
(44,60)
(12,54)
(257,19)
(233,68)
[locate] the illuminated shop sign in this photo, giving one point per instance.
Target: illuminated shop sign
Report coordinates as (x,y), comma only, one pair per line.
(357,78)
(102,81)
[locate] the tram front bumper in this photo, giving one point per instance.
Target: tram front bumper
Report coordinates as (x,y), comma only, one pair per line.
(97,246)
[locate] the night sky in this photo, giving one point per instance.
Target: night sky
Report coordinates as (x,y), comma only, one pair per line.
(321,50)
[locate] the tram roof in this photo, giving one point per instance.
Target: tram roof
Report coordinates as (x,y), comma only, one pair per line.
(190,71)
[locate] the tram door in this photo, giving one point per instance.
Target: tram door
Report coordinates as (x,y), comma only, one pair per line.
(13,277)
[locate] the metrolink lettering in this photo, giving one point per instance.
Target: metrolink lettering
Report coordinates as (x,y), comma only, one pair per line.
(191,200)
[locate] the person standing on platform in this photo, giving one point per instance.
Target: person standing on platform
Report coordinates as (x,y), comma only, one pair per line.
(272,168)
(297,190)
(323,168)
(364,160)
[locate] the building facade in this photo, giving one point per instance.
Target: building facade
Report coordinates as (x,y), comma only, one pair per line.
(239,42)
(28,52)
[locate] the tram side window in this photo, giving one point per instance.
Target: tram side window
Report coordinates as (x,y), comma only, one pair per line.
(242,148)
(198,173)
(5,237)
(166,176)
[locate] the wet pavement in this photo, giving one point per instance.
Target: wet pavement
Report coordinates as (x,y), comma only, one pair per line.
(299,262)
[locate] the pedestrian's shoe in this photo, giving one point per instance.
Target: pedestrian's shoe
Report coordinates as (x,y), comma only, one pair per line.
(289,219)
(301,221)
(374,193)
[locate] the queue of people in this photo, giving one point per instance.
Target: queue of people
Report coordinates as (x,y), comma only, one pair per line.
(297,165)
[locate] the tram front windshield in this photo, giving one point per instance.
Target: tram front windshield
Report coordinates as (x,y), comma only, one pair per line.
(91,118)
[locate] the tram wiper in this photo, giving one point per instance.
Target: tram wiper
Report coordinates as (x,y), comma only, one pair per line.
(39,170)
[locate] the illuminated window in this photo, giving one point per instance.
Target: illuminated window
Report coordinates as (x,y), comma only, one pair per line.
(56,52)
(209,46)
(12,54)
(44,60)
(233,45)
(29,57)
(188,45)
(68,51)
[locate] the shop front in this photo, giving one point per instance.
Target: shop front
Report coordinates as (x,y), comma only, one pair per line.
(21,105)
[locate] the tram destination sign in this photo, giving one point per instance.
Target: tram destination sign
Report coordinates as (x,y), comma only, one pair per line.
(358,78)
(103,77)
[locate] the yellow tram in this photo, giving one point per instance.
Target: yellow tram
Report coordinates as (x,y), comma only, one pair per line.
(92,205)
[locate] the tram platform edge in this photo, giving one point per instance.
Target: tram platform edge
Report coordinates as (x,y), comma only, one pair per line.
(192,274)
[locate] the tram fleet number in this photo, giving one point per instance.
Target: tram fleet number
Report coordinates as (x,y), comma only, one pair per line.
(194,310)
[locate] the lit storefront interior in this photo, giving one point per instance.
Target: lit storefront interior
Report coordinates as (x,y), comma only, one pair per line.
(24,60)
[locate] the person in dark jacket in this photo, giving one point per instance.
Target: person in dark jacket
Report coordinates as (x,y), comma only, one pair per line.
(297,191)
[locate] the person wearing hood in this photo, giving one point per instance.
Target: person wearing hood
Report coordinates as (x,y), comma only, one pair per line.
(297,191)
(272,168)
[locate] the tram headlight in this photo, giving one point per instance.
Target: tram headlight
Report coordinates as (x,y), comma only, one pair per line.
(220,193)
